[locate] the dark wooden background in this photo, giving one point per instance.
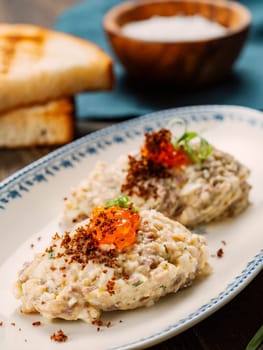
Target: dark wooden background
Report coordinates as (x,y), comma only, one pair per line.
(232,326)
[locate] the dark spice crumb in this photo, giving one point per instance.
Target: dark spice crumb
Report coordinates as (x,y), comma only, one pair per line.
(220,253)
(83,247)
(110,287)
(36,323)
(20,329)
(13,323)
(98,329)
(97,322)
(1,323)
(139,171)
(109,324)
(31,245)
(39,238)
(223,242)
(59,336)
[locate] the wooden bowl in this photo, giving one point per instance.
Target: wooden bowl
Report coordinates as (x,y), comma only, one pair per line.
(182,63)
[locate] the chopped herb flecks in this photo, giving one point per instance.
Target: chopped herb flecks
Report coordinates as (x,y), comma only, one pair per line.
(138,283)
(122,201)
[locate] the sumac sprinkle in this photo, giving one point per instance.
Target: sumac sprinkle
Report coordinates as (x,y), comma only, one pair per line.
(59,336)
(220,253)
(138,174)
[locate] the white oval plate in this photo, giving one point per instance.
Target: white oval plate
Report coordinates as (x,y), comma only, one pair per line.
(31,204)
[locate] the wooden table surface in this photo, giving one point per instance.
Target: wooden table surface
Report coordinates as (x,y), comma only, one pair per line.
(232,326)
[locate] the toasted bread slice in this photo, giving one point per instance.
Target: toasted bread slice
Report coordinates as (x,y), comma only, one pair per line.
(51,123)
(38,65)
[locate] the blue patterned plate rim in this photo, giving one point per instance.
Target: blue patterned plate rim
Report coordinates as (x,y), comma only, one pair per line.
(219,113)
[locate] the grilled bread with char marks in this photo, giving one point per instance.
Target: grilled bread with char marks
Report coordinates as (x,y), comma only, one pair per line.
(38,65)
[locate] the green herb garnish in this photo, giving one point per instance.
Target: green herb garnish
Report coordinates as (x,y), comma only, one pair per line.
(122,201)
(256,340)
(196,154)
(136,284)
(163,286)
(51,255)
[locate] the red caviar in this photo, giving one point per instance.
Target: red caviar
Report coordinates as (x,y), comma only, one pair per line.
(114,225)
(159,149)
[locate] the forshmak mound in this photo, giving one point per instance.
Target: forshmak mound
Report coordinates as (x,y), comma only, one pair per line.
(119,259)
(188,180)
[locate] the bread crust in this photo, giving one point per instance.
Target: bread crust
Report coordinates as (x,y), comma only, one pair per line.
(48,124)
(38,65)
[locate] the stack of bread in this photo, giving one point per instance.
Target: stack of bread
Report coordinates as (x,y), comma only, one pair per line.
(40,71)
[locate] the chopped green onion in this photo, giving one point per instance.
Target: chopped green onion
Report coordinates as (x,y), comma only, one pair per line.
(256,340)
(51,255)
(178,122)
(163,286)
(123,201)
(136,284)
(184,141)
(187,136)
(205,149)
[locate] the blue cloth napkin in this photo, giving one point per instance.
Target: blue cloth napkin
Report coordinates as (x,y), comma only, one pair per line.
(243,87)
